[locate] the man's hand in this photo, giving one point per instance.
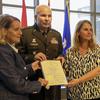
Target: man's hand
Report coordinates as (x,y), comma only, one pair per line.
(40,56)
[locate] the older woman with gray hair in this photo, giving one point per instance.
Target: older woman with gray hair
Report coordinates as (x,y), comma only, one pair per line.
(14,73)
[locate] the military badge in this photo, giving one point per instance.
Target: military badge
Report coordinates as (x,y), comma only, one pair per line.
(54,41)
(34,42)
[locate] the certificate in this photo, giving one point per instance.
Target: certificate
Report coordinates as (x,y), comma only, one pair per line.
(53,72)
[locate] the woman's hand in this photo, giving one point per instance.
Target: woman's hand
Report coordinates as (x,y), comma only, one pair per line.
(35,65)
(43,81)
(61,58)
(73,82)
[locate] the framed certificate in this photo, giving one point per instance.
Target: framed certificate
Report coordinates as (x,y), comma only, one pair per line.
(53,72)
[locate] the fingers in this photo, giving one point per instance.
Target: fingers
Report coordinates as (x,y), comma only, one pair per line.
(36,62)
(61,59)
(43,81)
(70,85)
(41,56)
(35,65)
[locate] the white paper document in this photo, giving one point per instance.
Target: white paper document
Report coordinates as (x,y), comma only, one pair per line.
(53,72)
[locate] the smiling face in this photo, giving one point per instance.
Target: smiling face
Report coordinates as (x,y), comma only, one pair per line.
(43,17)
(86,32)
(13,32)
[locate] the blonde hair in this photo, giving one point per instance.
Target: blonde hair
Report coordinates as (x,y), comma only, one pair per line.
(76,40)
(2,32)
(2,36)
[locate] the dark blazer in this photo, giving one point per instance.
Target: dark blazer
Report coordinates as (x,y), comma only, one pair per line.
(14,83)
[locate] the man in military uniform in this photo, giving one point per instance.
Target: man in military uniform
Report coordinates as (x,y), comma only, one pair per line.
(41,42)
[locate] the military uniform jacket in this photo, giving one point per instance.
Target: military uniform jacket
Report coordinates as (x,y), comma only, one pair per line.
(34,41)
(50,43)
(14,83)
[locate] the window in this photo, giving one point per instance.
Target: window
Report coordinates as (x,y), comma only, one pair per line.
(14,7)
(98,29)
(82,5)
(85,9)
(98,21)
(58,21)
(55,4)
(79,9)
(18,2)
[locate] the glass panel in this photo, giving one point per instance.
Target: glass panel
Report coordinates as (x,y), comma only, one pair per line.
(19,2)
(80,5)
(74,18)
(58,21)
(55,4)
(12,11)
(98,29)
(43,2)
(97,5)
(17,12)
(30,17)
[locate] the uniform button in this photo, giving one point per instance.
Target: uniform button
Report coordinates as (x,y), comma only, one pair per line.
(34,92)
(26,77)
(34,53)
(45,36)
(25,68)
(46,49)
